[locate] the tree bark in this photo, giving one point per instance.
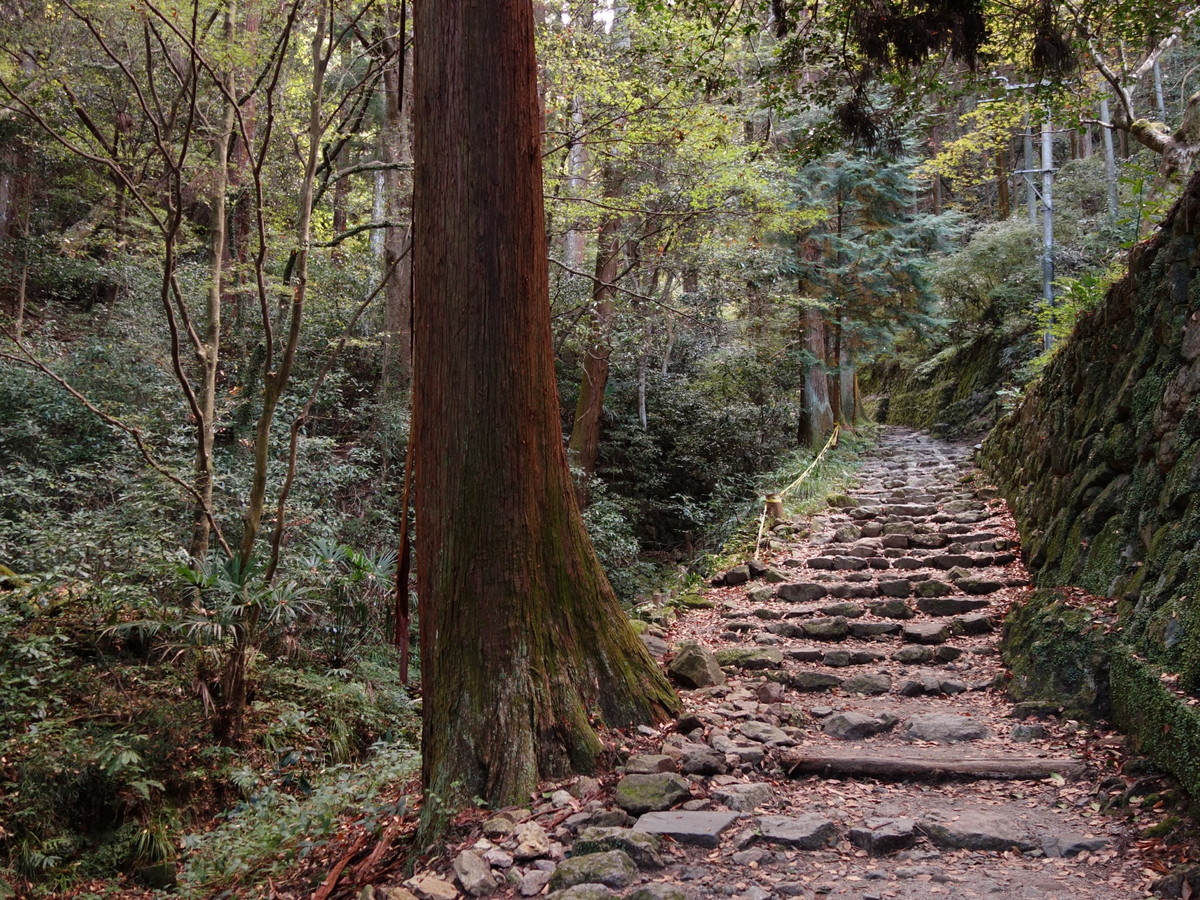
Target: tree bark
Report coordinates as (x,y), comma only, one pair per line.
(816,417)
(523,643)
(396,148)
(210,361)
(584,445)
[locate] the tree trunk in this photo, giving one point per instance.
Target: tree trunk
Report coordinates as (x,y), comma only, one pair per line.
(396,148)
(523,643)
(206,425)
(816,416)
(1003,198)
(584,445)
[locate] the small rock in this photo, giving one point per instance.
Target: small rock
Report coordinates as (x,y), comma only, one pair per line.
(1025,733)
(882,836)
(743,797)
(868,684)
(847,609)
(892,609)
(973,623)
(950,606)
(765,658)
(532,841)
(474,874)
(833,628)
(498,827)
(934,588)
(926,633)
(428,886)
(979,585)
(641,847)
(584,892)
(498,859)
(695,666)
(943,728)
(763,733)
(808,832)
(812,681)
(584,786)
(855,726)
(737,575)
(703,761)
(1060,845)
(801,592)
(976,830)
(875,630)
(613,869)
(913,655)
(533,881)
(639,794)
(770,692)
(561,800)
(657,891)
(649,764)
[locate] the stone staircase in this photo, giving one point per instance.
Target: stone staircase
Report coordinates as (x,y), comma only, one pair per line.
(846,734)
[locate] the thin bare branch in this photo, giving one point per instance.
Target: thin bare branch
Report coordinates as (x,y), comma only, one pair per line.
(29,359)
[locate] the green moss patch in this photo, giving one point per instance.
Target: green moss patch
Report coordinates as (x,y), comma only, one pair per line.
(1058,653)
(1159,722)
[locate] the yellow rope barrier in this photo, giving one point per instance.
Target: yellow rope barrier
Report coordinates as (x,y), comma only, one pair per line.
(762,520)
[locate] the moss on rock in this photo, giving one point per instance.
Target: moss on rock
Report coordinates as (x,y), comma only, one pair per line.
(1057,653)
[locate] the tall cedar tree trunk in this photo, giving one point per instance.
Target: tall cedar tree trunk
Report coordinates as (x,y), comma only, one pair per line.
(816,416)
(584,446)
(523,643)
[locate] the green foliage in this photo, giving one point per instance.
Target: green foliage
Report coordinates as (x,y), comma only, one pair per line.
(1073,297)
(272,828)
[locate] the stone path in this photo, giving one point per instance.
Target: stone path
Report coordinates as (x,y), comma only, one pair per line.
(844,735)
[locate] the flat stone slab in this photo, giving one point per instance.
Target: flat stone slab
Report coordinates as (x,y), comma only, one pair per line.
(880,837)
(868,684)
(943,728)
(1067,844)
(744,797)
(765,658)
(801,592)
(702,829)
(927,633)
(834,628)
(950,606)
(763,733)
(810,832)
(812,681)
(855,726)
(976,830)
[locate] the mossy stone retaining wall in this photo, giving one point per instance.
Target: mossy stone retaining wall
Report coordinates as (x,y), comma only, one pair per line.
(1101,460)
(954,393)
